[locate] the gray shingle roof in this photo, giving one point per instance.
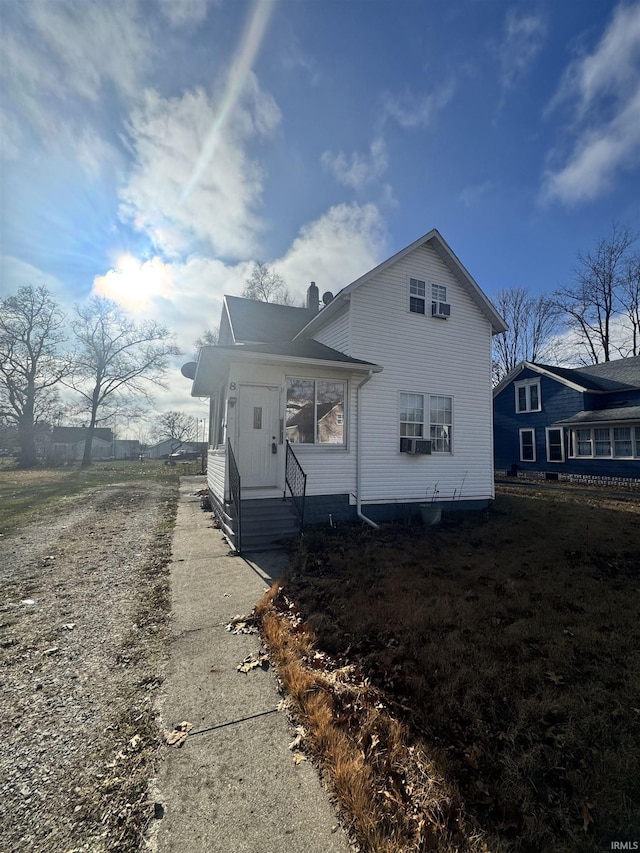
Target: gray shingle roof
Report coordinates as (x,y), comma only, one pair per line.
(70,435)
(605,416)
(264,322)
(620,375)
(306,348)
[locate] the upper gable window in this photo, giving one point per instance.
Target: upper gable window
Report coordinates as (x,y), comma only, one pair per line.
(438,293)
(417,296)
(528,396)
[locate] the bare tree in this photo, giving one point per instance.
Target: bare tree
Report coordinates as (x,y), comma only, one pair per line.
(31,334)
(176,426)
(630,297)
(115,359)
(532,322)
(265,285)
(209,338)
(596,298)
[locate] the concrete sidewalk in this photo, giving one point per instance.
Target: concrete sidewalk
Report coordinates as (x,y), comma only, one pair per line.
(233,786)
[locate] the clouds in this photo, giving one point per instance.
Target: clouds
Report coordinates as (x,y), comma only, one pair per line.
(335,249)
(413,110)
(601,90)
(358,170)
(522,40)
(171,136)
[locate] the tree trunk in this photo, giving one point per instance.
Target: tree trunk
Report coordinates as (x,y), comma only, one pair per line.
(28,456)
(86,456)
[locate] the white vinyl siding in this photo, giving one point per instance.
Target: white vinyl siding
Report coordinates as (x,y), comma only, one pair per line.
(452,360)
(336,333)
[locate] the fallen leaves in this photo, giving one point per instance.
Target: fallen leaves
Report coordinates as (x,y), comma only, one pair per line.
(585,812)
(179,735)
(261,659)
(243,625)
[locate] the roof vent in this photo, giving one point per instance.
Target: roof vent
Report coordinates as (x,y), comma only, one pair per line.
(327,297)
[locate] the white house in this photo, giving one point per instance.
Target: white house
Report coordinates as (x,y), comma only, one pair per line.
(401,358)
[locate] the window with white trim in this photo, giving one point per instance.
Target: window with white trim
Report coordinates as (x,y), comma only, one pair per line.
(417,296)
(440,422)
(615,442)
(555,444)
(527,445)
(438,293)
(528,395)
(427,416)
(315,411)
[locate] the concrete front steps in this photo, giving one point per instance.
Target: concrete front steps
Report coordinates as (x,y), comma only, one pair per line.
(265,521)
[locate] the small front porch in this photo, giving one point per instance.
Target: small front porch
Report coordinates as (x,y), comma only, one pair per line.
(256,518)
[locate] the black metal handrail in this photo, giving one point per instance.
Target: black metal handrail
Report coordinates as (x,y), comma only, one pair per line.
(234,491)
(296,480)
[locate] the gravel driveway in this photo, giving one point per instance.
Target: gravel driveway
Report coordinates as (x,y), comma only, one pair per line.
(82,626)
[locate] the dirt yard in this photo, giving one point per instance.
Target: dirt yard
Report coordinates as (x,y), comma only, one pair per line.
(82,626)
(497,654)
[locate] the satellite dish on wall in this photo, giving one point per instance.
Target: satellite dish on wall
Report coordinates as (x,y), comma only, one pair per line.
(188,370)
(327,297)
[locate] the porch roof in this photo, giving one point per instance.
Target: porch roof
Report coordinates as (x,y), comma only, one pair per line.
(214,362)
(621,415)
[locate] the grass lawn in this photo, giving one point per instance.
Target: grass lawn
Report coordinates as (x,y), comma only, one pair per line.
(25,494)
(485,673)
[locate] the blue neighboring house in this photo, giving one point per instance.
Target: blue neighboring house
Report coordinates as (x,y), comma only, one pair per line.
(570,423)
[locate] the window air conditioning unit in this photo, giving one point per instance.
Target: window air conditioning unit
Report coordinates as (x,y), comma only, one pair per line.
(440,309)
(415,446)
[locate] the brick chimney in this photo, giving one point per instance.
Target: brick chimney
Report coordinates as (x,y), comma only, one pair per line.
(313,298)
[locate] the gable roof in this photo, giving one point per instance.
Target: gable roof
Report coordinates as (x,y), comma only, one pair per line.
(435,241)
(71,435)
(620,375)
(252,321)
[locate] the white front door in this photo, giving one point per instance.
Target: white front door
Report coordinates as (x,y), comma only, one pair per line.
(258,426)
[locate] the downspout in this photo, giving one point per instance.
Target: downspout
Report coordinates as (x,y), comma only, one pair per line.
(358,454)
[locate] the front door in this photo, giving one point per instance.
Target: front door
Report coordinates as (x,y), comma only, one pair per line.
(259,425)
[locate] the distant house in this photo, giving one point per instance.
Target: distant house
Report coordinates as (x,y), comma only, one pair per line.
(570,423)
(66,444)
(371,405)
(127,448)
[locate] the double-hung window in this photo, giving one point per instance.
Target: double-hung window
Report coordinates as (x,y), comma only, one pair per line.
(315,411)
(528,396)
(555,444)
(417,296)
(427,416)
(527,445)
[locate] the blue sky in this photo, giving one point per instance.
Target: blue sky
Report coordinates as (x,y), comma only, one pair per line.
(152,149)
